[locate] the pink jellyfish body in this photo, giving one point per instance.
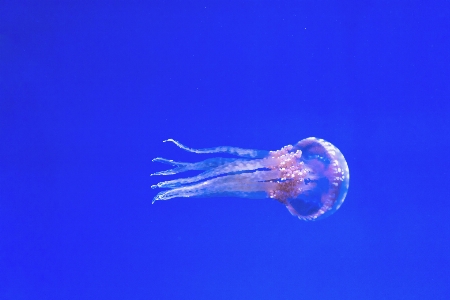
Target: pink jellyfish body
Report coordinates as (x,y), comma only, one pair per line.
(311,178)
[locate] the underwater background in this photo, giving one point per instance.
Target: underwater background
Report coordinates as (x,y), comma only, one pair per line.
(89,90)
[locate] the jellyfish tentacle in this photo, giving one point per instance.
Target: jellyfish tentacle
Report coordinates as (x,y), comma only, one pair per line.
(251,185)
(169,161)
(214,167)
(251,153)
(180,166)
(207,164)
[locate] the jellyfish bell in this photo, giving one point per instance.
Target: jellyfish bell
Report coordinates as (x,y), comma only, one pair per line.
(311,178)
(325,182)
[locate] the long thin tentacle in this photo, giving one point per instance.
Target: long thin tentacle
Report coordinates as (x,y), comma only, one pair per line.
(249,185)
(226,166)
(208,164)
(224,149)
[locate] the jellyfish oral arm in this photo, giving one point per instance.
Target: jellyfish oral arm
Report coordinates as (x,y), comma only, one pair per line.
(211,168)
(248,185)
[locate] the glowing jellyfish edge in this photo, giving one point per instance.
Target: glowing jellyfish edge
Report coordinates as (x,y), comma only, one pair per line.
(311,178)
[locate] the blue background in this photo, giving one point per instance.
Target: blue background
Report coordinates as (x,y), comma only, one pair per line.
(88,92)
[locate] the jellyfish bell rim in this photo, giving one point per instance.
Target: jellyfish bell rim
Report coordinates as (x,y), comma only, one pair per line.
(338,184)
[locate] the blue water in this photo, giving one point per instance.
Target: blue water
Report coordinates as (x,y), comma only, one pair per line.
(88,92)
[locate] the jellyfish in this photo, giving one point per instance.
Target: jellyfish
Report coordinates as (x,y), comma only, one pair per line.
(311,178)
